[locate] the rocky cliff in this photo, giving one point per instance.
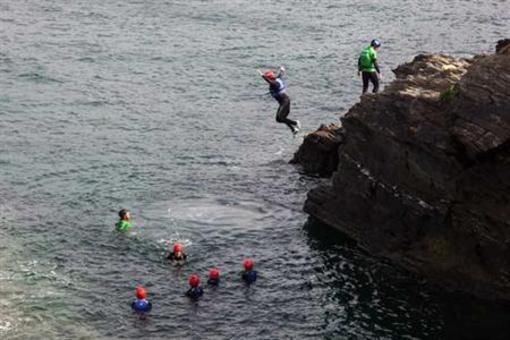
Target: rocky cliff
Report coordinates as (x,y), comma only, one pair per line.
(422,171)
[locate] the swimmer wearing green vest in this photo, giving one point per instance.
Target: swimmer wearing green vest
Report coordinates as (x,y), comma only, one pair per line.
(368,68)
(124,217)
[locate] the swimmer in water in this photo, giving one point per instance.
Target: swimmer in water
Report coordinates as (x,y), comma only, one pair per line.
(141,304)
(124,223)
(195,291)
(177,254)
(249,275)
(214,277)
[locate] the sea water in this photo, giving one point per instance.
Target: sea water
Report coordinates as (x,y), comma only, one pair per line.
(156,106)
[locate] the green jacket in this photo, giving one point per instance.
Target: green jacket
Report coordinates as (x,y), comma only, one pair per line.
(123,225)
(367,61)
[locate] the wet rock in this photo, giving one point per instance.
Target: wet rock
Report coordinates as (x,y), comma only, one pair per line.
(502,44)
(423,174)
(318,153)
(481,108)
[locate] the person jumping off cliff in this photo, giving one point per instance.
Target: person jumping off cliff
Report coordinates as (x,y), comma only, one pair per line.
(368,68)
(277,89)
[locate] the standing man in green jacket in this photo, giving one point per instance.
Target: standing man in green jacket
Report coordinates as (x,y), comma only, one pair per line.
(368,68)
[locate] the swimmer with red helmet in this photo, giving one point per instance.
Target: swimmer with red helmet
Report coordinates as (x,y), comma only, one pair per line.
(141,304)
(214,277)
(177,254)
(249,275)
(195,291)
(278,89)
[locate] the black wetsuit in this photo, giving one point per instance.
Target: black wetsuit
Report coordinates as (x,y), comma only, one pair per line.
(284,110)
(249,276)
(213,282)
(370,76)
(276,89)
(195,292)
(172,257)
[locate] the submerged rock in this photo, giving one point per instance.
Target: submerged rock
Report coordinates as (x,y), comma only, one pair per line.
(423,173)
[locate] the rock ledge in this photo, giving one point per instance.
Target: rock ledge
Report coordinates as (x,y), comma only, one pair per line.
(421,171)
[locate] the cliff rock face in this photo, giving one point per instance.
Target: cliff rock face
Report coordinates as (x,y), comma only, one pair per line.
(318,153)
(423,173)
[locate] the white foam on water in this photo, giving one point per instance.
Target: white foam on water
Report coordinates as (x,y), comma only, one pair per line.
(5,326)
(173,240)
(216,213)
(279,152)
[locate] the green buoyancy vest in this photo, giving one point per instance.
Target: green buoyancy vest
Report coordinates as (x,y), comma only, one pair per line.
(123,225)
(367,59)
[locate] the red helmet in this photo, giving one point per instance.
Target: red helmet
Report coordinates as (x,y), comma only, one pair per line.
(141,293)
(194,280)
(178,248)
(214,274)
(248,264)
(270,75)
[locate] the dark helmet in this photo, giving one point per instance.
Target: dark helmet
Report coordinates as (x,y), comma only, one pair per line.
(123,213)
(375,43)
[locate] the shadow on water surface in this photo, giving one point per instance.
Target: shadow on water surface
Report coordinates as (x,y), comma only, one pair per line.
(384,301)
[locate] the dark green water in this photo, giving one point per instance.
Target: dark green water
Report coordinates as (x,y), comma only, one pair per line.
(156,106)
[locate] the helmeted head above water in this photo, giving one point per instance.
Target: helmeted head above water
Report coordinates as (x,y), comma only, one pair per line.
(214,274)
(248,264)
(178,248)
(194,280)
(124,214)
(141,293)
(270,75)
(375,43)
